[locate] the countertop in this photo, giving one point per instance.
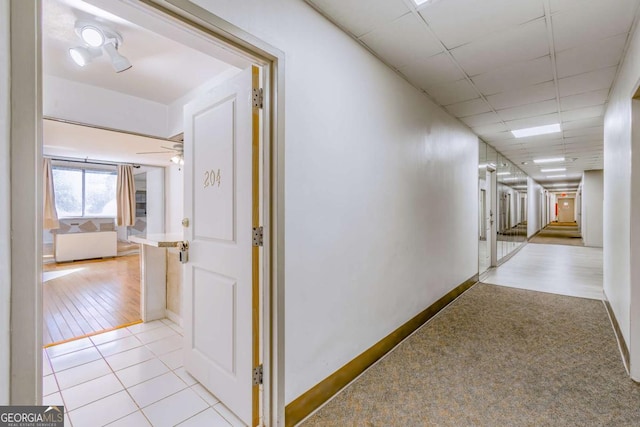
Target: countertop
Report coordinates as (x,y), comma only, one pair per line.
(159,240)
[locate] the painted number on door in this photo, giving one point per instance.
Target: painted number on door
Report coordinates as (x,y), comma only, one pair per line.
(212,178)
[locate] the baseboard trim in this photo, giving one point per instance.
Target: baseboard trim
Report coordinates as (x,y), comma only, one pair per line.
(173,317)
(311,400)
(624,350)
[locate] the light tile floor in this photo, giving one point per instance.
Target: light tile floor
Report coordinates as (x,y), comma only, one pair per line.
(558,269)
(129,377)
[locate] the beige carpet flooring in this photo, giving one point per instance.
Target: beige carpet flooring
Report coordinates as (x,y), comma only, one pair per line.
(559,234)
(497,357)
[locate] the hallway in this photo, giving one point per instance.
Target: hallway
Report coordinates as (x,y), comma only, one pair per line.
(501,356)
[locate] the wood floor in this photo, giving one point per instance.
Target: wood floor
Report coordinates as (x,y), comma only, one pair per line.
(86,297)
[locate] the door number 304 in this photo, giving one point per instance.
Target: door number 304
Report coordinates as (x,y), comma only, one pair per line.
(212,178)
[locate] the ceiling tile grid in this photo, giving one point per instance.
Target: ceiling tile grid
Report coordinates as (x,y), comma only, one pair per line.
(502,65)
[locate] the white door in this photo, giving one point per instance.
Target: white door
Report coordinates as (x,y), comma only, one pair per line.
(220,150)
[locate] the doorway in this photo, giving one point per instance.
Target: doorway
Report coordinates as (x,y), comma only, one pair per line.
(566,209)
(267,60)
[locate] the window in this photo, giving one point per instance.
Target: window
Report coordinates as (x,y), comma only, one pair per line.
(84,192)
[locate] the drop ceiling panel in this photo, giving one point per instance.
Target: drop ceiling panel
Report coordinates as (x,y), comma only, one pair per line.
(598,130)
(527,95)
(515,75)
(524,42)
(604,18)
(582,123)
(457,22)
(451,93)
(469,108)
(507,80)
(547,119)
(586,99)
(402,41)
(583,113)
(362,16)
(498,137)
(558,5)
(490,129)
(529,110)
(432,71)
(593,80)
(595,131)
(482,119)
(591,56)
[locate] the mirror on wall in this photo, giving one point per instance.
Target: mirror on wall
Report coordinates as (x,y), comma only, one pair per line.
(502,207)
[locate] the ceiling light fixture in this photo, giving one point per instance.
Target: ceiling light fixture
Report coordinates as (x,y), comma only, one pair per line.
(513,178)
(82,55)
(503,173)
(556,176)
(421,2)
(97,37)
(549,160)
(553,170)
(538,130)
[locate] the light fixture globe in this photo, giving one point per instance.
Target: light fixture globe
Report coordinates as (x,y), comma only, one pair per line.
(82,55)
(92,35)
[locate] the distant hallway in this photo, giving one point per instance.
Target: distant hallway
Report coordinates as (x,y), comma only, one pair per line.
(559,233)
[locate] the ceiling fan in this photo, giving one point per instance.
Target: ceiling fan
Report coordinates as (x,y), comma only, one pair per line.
(177,150)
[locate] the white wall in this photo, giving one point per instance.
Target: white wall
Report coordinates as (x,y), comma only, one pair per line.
(534,207)
(381,192)
(5,200)
(174,199)
(77,102)
(618,204)
(592,207)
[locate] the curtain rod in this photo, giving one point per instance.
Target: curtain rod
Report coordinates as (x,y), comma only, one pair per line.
(93,162)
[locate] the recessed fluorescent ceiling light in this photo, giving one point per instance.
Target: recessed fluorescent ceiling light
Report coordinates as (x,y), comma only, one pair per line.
(564,184)
(538,130)
(556,176)
(419,2)
(550,160)
(513,178)
(503,173)
(553,170)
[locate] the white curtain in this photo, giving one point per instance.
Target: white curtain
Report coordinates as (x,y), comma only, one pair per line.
(50,218)
(126,196)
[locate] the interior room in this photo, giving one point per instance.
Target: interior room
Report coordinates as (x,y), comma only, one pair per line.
(113,149)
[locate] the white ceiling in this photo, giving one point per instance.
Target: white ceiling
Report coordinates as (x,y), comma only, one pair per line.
(168,62)
(500,65)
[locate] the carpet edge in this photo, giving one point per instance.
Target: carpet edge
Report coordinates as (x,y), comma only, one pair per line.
(312,399)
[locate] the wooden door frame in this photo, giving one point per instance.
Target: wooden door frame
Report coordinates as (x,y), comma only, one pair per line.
(26,190)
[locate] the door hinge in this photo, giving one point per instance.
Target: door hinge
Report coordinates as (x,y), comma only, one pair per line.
(258,97)
(258,236)
(257,375)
